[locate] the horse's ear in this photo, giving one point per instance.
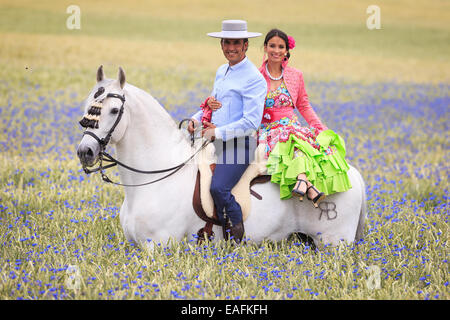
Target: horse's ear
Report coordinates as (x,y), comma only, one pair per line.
(121,77)
(100,74)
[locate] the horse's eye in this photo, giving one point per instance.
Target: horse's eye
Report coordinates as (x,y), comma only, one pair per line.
(114,111)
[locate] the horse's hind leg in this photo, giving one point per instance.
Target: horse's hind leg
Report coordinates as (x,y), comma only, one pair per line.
(304,239)
(332,240)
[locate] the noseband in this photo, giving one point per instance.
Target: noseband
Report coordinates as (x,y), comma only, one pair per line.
(104,156)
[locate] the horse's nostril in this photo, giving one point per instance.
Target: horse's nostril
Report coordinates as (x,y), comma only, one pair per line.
(86,154)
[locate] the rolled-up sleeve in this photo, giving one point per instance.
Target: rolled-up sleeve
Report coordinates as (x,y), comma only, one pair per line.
(253,96)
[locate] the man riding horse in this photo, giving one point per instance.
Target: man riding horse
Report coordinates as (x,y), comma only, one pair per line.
(237,101)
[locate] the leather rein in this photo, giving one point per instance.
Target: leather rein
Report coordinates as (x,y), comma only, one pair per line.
(104,156)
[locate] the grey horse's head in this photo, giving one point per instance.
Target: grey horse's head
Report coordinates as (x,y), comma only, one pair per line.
(101,113)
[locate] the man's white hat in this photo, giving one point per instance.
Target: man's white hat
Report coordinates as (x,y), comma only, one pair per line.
(234,29)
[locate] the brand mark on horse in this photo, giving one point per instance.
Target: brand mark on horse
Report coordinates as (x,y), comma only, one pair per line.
(328,207)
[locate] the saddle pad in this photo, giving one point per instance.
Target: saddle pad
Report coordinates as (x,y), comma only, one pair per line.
(241,190)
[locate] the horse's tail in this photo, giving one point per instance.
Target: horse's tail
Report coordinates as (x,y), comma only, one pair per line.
(363,212)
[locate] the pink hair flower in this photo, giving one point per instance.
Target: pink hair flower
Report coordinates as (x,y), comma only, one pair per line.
(291,43)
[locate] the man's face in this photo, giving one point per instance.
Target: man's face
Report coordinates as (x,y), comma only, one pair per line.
(234,50)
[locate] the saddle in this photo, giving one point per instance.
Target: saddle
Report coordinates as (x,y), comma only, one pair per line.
(203,203)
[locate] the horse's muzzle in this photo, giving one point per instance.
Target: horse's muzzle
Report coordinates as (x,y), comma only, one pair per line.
(88,155)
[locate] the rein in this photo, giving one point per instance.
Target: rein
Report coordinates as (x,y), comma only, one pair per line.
(104,156)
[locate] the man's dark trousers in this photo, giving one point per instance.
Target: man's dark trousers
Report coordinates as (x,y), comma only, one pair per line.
(233,158)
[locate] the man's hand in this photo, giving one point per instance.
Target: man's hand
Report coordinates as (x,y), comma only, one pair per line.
(208,132)
(213,104)
(193,124)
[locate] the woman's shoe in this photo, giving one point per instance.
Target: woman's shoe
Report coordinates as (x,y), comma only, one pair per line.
(319,197)
(297,191)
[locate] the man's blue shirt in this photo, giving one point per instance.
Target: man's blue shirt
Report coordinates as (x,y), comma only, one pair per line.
(242,90)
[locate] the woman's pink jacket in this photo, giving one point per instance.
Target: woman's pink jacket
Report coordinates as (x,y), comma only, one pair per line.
(293,79)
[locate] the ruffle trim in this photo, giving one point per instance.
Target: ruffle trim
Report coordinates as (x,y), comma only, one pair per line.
(327,172)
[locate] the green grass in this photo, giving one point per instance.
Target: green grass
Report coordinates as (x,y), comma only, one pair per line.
(392,40)
(69,224)
(332,41)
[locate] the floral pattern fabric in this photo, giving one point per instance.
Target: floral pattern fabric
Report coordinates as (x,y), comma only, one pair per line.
(271,132)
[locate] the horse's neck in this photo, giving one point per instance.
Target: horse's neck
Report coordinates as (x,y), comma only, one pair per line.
(151,142)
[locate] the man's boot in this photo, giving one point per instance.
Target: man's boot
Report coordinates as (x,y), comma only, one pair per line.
(235,232)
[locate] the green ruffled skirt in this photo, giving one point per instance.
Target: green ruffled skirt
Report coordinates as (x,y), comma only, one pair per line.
(326,168)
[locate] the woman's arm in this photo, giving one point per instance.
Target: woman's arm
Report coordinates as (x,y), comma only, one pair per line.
(305,108)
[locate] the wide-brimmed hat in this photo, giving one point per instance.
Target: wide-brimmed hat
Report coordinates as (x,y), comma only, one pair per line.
(234,29)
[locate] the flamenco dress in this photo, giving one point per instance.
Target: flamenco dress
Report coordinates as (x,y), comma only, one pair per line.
(292,149)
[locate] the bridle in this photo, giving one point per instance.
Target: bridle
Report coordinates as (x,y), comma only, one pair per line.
(104,141)
(104,156)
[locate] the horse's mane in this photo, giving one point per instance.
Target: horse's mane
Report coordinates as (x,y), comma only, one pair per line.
(144,98)
(148,100)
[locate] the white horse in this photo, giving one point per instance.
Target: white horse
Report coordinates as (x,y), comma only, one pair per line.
(147,138)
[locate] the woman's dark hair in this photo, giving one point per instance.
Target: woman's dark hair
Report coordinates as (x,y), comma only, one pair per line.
(278,33)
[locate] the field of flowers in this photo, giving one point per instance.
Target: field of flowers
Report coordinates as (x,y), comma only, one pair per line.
(55,219)
(60,236)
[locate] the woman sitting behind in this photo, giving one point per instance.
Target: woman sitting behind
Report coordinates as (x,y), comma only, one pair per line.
(302,160)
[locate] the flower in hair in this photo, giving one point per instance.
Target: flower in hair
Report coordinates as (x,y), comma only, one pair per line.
(291,42)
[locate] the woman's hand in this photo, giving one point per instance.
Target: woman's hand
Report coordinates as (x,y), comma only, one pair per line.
(213,104)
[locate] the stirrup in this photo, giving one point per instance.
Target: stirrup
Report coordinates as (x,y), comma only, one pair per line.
(320,196)
(296,191)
